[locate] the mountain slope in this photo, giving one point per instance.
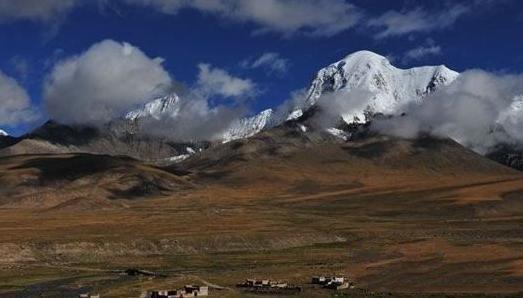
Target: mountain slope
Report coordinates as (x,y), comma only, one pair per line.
(82,181)
(285,156)
(56,138)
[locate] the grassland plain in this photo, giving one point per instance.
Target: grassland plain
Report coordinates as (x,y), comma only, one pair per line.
(411,220)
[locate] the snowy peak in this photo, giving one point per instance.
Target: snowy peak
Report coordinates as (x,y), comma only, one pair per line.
(246,127)
(3,133)
(391,87)
(164,106)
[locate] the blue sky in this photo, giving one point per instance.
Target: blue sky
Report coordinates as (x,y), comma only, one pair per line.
(231,38)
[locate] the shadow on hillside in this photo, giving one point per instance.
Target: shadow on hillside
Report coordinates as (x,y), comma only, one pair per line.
(72,168)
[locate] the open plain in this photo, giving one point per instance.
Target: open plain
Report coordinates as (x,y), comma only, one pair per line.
(396,216)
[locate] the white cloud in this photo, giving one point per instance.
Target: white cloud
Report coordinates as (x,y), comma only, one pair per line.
(479,110)
(396,23)
(15,104)
(35,10)
(312,17)
(215,81)
(270,61)
(104,82)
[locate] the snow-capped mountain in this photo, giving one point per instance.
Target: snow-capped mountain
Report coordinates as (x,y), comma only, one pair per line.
(169,106)
(247,127)
(158,108)
(390,88)
(3,133)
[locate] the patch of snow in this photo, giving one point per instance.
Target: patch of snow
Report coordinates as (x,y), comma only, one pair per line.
(294,115)
(178,158)
(168,105)
(190,150)
(247,127)
(3,133)
(338,133)
(302,127)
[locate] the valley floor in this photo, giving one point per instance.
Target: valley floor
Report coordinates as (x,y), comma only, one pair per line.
(439,235)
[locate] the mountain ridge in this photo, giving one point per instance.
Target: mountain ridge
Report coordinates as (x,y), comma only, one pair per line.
(383,90)
(359,71)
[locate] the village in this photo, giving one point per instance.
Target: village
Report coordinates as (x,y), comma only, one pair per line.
(186,291)
(255,286)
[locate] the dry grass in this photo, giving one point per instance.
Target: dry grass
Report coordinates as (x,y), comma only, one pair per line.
(436,227)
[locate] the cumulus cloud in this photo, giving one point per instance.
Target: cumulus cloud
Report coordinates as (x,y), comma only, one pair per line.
(272,62)
(215,81)
(478,110)
(396,23)
(104,82)
(311,17)
(15,104)
(34,10)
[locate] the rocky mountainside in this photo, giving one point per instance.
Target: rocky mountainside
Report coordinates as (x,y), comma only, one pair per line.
(54,138)
(509,155)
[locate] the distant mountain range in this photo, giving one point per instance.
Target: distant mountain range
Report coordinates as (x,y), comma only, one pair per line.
(388,90)
(391,88)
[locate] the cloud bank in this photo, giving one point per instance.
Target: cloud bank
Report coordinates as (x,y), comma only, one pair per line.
(35,10)
(310,17)
(15,104)
(111,79)
(316,18)
(103,83)
(479,110)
